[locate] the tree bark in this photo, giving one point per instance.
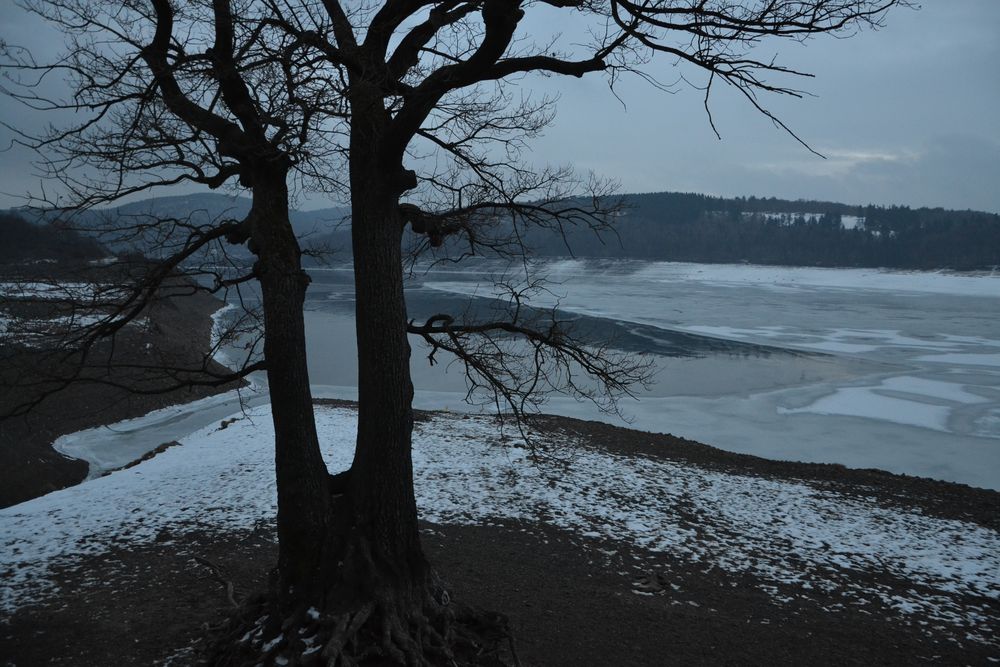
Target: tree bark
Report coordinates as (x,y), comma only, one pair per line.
(381,481)
(349,545)
(303,499)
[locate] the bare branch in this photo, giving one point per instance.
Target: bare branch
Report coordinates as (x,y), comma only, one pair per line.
(516,362)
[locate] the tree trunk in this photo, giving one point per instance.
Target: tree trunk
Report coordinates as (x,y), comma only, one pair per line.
(303,497)
(342,546)
(381,481)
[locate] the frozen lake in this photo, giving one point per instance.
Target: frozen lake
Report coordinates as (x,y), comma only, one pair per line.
(870,369)
(891,370)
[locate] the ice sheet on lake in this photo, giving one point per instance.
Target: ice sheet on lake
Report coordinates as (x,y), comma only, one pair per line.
(963,359)
(867,402)
(912,401)
(935,326)
(115,445)
(936,282)
(844,341)
(948,391)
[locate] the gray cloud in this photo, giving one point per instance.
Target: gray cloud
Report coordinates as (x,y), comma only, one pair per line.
(953,171)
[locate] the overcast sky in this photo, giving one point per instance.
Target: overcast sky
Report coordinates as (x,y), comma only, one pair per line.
(907,115)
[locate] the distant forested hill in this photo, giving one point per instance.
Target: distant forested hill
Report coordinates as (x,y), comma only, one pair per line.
(699,228)
(318,230)
(676,227)
(21,241)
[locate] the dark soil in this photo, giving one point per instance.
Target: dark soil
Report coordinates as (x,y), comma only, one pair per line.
(572,601)
(569,606)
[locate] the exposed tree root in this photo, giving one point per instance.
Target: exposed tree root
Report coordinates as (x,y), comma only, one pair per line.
(360,601)
(226,583)
(376,633)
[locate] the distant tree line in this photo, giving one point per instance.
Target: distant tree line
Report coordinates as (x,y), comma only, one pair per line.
(23,241)
(700,228)
(659,226)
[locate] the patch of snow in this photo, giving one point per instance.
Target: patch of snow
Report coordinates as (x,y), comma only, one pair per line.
(852,221)
(846,221)
(59,291)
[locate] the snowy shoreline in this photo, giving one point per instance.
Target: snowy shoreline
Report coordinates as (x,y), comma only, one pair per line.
(110,446)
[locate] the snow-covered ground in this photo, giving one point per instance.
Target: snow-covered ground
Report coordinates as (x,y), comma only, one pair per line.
(782,533)
(846,221)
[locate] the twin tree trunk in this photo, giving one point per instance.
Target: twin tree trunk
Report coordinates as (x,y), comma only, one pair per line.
(357,543)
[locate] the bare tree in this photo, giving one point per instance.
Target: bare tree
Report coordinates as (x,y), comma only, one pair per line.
(413,109)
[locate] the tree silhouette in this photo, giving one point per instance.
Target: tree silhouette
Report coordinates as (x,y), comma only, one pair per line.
(412,109)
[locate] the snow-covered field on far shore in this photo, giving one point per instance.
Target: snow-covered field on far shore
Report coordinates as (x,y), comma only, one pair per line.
(786,535)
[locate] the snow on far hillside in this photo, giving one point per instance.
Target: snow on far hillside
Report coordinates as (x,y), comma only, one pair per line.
(88,297)
(53,330)
(782,533)
(846,221)
(88,293)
